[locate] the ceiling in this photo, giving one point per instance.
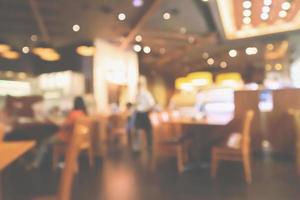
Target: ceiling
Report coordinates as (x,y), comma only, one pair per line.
(177,44)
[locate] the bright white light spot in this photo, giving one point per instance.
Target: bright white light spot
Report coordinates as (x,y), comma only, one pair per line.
(264,16)
(286,5)
(266,9)
(223,64)
(166,16)
(138,38)
(282,14)
(247,13)
(33,38)
(137,3)
(233,53)
(76,27)
(147,49)
(210,61)
(246,20)
(137,48)
(121,16)
(247,4)
(268,2)
(251,51)
(25,50)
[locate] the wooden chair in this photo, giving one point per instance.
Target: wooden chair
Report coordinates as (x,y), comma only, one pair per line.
(86,144)
(67,176)
(169,140)
(242,154)
(117,128)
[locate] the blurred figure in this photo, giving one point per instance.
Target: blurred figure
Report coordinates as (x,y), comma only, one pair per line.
(144,104)
(130,113)
(64,135)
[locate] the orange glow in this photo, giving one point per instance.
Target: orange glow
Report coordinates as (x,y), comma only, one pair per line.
(86,50)
(11,55)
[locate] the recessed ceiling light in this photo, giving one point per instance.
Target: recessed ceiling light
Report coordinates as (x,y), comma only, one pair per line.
(247,13)
(137,3)
(166,16)
(232,53)
(266,9)
(121,16)
(286,5)
(282,14)
(268,67)
(33,38)
(268,2)
(210,61)
(205,0)
(246,20)
(25,50)
(147,49)
(205,55)
(183,30)
(251,50)
(137,48)
(247,4)
(138,38)
(162,50)
(223,64)
(278,66)
(76,27)
(264,16)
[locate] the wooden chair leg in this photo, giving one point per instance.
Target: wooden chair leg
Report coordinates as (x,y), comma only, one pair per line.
(214,165)
(91,156)
(247,170)
(180,158)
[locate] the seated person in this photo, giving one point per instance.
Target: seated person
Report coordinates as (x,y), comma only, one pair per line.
(64,134)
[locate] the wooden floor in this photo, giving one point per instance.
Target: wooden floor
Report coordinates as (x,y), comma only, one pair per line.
(127,176)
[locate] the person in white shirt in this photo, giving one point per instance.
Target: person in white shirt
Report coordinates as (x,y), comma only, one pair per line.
(144,104)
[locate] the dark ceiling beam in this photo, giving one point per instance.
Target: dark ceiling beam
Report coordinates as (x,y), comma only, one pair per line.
(135,29)
(39,20)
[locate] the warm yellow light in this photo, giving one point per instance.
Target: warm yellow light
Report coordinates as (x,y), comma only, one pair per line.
(11,55)
(233,80)
(223,64)
(183,83)
(278,67)
(268,67)
(210,61)
(50,56)
(270,47)
(200,78)
(232,53)
(4,47)
(86,50)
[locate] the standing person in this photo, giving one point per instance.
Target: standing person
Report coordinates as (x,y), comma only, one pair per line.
(63,136)
(144,104)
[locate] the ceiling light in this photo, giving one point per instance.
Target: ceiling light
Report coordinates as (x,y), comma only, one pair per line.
(246,20)
(251,51)
(286,5)
(147,49)
(86,49)
(270,47)
(247,4)
(137,48)
(205,55)
(223,64)
(25,50)
(183,30)
(247,13)
(210,61)
(137,3)
(266,9)
(264,16)
(166,16)
(268,2)
(138,38)
(282,14)
(76,27)
(121,16)
(33,38)
(205,0)
(53,56)
(233,53)
(162,50)
(278,66)
(268,67)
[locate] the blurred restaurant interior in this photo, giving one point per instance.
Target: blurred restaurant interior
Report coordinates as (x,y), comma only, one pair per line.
(150,99)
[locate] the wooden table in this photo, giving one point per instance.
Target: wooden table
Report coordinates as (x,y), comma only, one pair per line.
(11,151)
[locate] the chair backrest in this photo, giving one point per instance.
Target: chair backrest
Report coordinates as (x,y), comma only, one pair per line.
(246,139)
(81,127)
